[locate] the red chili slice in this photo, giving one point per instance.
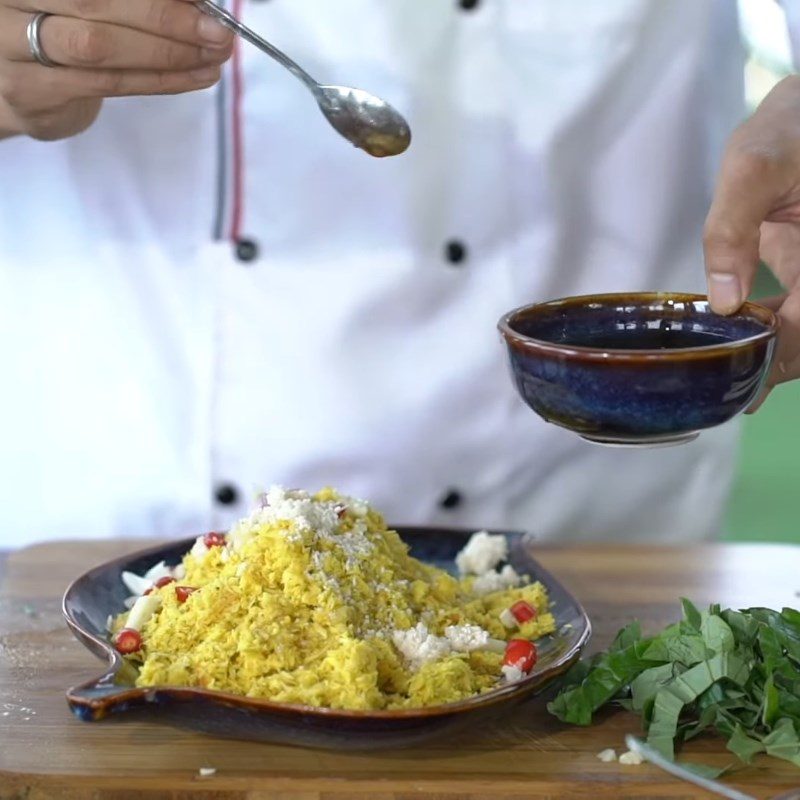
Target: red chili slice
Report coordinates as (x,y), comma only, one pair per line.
(520,653)
(165,581)
(523,611)
(183,593)
(214,540)
(128,641)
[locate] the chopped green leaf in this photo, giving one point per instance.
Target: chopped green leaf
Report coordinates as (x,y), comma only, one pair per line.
(792,617)
(705,770)
(716,633)
(744,746)
(684,689)
(628,636)
(772,652)
(610,675)
(735,672)
(646,685)
(771,705)
(743,625)
(783,742)
(690,613)
(661,735)
(785,628)
(688,648)
(693,682)
(788,703)
(576,674)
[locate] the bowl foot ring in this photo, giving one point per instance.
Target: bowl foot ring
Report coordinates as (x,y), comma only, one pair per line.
(641,442)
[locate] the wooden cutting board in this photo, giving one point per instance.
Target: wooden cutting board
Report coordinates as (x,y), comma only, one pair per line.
(45,752)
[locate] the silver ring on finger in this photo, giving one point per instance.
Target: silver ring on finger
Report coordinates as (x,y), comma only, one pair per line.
(35,42)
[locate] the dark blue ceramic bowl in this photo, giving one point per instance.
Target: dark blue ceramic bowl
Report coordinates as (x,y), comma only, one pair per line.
(638,369)
(100,592)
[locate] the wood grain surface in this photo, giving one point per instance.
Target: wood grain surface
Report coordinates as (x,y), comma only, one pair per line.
(46,753)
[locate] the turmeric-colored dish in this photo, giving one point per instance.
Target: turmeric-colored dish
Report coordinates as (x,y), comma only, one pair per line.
(312,600)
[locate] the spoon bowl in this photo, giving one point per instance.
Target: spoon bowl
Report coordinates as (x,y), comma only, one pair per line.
(365,120)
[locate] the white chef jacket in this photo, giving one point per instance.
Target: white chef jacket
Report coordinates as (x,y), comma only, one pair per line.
(208,294)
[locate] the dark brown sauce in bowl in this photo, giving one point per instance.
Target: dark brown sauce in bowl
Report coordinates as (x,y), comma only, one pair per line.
(646,339)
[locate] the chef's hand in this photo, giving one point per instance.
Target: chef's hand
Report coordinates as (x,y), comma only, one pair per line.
(105,48)
(756,216)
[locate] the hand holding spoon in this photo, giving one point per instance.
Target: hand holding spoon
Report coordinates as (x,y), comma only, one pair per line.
(363,119)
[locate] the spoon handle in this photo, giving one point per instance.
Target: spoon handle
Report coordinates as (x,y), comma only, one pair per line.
(651,755)
(233,24)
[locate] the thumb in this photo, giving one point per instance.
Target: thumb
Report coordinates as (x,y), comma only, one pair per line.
(745,193)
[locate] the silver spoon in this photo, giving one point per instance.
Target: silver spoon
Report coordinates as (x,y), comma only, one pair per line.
(651,755)
(363,119)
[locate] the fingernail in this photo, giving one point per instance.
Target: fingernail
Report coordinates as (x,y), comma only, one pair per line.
(725,292)
(211,30)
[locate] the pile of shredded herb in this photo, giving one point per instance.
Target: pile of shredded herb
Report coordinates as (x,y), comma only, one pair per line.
(733,672)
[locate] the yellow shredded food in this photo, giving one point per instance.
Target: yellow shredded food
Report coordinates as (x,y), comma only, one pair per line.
(312,600)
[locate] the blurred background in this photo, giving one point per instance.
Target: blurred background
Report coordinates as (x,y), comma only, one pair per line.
(762,506)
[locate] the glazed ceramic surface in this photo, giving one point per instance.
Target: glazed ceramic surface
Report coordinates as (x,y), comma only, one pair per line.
(638,369)
(93,597)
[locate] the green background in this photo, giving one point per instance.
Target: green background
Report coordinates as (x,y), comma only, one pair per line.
(765,504)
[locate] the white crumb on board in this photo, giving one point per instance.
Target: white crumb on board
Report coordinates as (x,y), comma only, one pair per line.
(607,756)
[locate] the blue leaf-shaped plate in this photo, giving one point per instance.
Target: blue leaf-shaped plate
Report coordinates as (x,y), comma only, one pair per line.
(100,592)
